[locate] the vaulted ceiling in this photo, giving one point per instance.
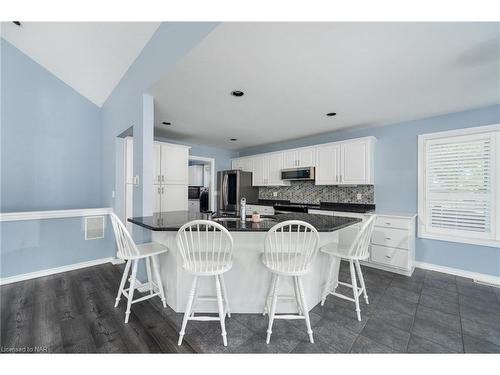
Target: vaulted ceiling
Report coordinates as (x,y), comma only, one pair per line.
(91,57)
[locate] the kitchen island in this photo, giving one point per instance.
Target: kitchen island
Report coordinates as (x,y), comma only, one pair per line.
(248,280)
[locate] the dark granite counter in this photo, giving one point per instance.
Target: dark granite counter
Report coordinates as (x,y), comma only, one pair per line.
(324,206)
(172,221)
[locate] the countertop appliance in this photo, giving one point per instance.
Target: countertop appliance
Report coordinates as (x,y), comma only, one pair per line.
(294,174)
(232,185)
(204,206)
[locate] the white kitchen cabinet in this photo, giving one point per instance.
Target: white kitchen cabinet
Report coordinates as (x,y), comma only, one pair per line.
(345,163)
(170,177)
(327,164)
(196,175)
(174,198)
(267,170)
(260,171)
(170,198)
(174,164)
(356,162)
(244,164)
(301,157)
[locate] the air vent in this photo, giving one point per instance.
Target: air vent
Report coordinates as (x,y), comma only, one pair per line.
(94,227)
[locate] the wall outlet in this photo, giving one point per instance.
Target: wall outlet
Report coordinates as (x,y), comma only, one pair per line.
(358,196)
(275,194)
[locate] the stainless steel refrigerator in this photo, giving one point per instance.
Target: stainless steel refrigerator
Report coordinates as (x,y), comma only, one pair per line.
(231,187)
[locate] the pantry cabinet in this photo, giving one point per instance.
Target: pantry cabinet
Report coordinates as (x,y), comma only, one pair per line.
(170,177)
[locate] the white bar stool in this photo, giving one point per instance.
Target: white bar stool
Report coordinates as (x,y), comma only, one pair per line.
(353,253)
(206,248)
(289,250)
(132,254)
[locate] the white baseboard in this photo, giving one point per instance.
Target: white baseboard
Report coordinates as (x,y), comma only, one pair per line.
(52,271)
(477,277)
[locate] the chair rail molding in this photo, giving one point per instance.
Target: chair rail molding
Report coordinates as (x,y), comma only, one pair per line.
(53,214)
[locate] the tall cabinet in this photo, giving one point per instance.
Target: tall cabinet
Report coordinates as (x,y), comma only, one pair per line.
(170,177)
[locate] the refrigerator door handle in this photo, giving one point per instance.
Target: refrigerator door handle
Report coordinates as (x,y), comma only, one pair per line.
(224,190)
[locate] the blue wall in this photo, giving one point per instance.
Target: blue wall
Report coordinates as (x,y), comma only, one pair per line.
(396,179)
(50,140)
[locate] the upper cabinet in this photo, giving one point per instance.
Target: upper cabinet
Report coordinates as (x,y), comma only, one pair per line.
(245,164)
(356,162)
(301,157)
(170,164)
(328,164)
(340,163)
(345,163)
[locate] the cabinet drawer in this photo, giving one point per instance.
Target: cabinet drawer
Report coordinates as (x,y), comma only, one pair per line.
(392,222)
(391,237)
(389,256)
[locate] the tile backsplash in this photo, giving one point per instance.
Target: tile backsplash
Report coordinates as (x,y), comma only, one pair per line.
(307,192)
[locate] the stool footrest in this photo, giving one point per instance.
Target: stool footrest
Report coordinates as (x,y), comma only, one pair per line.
(145,297)
(204,318)
(288,316)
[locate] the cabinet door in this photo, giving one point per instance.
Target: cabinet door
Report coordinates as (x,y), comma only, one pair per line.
(157,163)
(244,164)
(157,198)
(174,165)
(275,165)
(306,157)
(327,165)
(174,198)
(260,171)
(290,159)
(354,167)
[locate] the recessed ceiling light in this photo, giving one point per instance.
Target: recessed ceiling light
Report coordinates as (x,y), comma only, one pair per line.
(233,139)
(16,23)
(166,123)
(330,114)
(237,93)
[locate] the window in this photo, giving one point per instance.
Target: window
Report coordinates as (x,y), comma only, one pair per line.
(458,193)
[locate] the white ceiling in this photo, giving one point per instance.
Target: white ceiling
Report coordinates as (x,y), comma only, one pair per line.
(91,57)
(294,73)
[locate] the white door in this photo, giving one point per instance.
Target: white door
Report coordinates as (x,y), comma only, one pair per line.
(290,159)
(157,198)
(353,166)
(260,171)
(174,198)
(174,164)
(157,163)
(306,157)
(327,165)
(275,165)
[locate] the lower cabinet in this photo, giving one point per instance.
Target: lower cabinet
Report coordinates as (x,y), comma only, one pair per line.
(170,198)
(392,247)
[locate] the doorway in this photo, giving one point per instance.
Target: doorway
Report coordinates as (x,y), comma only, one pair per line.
(202,175)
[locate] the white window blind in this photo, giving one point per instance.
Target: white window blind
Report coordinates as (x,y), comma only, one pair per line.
(457,187)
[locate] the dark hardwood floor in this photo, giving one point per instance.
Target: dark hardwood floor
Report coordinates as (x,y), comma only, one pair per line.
(73,312)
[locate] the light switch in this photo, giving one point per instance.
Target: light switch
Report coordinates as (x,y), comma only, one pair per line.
(275,194)
(358,196)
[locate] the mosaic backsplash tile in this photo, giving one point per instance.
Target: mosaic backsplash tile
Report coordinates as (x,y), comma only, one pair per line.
(307,192)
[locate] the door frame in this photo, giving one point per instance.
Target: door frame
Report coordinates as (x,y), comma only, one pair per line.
(211,161)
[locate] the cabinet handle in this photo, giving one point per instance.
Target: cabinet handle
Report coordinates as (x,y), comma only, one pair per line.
(337,178)
(162,178)
(388,256)
(159,191)
(388,223)
(388,238)
(162,190)
(158,178)
(340,178)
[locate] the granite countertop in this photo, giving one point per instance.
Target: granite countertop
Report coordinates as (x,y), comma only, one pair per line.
(172,221)
(325,206)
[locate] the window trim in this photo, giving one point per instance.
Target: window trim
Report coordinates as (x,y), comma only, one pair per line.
(421,225)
